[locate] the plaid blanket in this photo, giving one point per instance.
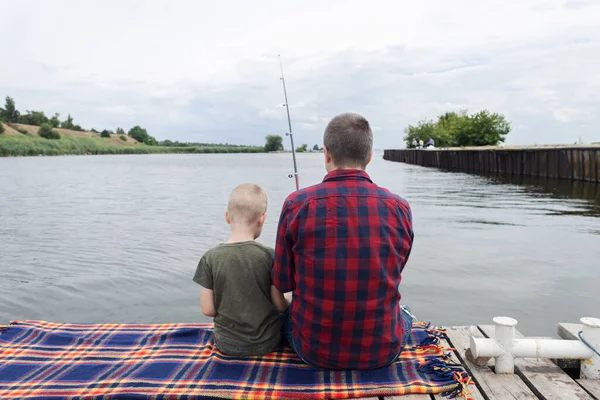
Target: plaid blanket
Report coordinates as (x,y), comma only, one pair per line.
(46,360)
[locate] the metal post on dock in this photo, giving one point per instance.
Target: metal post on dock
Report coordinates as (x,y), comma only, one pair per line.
(504,347)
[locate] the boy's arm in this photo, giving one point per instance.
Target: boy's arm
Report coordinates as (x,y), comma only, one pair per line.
(207,302)
(203,277)
(279,300)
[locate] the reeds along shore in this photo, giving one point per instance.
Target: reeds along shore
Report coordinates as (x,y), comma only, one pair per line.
(26,145)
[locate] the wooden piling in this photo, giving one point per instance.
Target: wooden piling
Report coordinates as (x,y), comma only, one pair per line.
(579,163)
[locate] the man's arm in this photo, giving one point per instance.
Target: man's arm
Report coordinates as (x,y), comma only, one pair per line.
(282,274)
(408,235)
(207,302)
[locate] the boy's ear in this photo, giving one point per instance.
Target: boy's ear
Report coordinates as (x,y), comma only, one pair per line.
(227,217)
(262,218)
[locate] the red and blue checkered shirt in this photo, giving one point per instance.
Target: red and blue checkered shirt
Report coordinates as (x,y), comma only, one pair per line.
(341,247)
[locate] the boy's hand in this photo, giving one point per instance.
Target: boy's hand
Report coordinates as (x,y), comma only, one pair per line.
(279,300)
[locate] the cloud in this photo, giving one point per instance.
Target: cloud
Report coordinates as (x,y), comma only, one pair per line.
(206,71)
(568,114)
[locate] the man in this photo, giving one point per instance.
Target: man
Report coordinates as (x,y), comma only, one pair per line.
(341,248)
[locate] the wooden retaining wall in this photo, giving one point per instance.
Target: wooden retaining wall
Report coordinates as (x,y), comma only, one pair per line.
(574,163)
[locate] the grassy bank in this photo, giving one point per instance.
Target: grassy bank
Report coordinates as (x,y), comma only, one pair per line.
(29,145)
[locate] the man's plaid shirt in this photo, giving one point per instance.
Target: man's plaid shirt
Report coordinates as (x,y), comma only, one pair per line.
(341,247)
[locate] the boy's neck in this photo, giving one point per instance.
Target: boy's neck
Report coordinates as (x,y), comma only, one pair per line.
(241,235)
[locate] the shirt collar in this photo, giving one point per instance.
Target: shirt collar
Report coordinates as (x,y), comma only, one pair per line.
(347,174)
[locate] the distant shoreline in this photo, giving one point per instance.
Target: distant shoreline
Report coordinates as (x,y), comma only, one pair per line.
(20,140)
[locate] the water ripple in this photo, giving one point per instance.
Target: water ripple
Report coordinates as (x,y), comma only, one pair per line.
(117,238)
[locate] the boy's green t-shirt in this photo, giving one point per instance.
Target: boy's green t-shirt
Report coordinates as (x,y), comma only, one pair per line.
(247,322)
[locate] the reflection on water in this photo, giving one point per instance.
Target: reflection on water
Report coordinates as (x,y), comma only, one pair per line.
(117,238)
(557,189)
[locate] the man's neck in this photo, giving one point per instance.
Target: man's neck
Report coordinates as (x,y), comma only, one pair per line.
(334,168)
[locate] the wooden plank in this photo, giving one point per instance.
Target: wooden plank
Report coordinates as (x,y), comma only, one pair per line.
(587,165)
(568,331)
(592,387)
(475,392)
(544,377)
(577,165)
(367,398)
(494,386)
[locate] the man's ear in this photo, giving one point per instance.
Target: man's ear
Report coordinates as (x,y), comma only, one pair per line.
(227,217)
(370,158)
(327,155)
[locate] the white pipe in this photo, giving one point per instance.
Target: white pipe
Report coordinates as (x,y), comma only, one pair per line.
(551,348)
(505,337)
(532,348)
(485,348)
(590,367)
(505,348)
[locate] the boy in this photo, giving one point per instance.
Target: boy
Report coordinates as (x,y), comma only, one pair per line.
(236,280)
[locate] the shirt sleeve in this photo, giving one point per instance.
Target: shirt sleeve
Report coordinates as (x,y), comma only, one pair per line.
(283,271)
(407,236)
(203,276)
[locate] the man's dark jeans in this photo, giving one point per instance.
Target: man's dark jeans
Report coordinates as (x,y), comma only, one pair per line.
(288,333)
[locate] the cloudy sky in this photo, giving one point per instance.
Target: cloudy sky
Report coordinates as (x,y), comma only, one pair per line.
(208,71)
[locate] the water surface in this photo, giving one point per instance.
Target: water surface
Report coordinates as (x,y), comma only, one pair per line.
(117,238)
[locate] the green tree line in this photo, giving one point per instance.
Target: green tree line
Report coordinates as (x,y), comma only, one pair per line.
(11,115)
(460,130)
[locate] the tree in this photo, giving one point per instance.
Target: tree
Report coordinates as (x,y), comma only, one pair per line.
(152,141)
(139,134)
(120,131)
(422,131)
(482,129)
(105,133)
(68,123)
(460,129)
(47,132)
(36,118)
(54,121)
(9,113)
(274,143)
(302,148)
(1,128)
(316,147)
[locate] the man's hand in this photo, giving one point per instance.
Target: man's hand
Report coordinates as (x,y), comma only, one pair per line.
(207,302)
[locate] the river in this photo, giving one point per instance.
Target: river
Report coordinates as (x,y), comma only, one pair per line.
(117,238)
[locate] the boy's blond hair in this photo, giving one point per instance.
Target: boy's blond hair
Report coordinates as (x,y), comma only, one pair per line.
(247,202)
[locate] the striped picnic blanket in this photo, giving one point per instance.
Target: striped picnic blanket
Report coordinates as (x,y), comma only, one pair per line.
(46,360)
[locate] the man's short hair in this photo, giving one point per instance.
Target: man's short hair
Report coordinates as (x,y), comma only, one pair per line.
(247,202)
(349,140)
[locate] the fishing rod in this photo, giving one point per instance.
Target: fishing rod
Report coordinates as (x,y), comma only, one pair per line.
(290,126)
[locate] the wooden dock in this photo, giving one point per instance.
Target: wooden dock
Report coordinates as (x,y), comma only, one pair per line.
(533,379)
